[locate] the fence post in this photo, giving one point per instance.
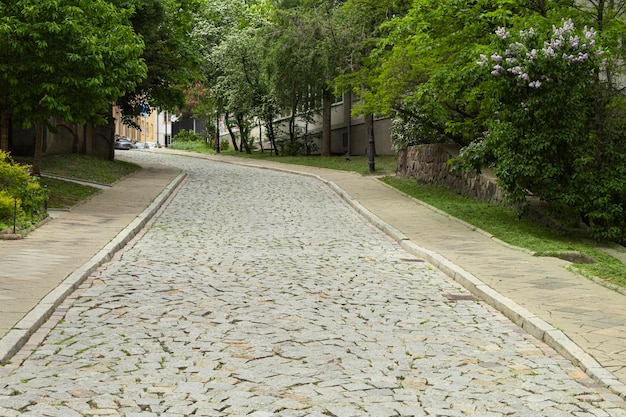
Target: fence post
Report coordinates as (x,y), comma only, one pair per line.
(14,213)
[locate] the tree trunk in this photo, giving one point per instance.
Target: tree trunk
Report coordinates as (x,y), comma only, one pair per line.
(327,102)
(269,126)
(111,134)
(244,134)
(5,123)
(233,138)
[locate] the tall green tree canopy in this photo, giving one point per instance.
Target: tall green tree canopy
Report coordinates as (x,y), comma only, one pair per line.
(170,53)
(556,136)
(65,58)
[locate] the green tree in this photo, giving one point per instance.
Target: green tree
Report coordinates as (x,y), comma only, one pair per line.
(64,58)
(231,56)
(558,130)
(361,22)
(170,54)
(239,83)
(295,68)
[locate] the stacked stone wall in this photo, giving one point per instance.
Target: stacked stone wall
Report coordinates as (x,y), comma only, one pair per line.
(429,164)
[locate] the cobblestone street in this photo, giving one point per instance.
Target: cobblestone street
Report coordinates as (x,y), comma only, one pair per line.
(260,293)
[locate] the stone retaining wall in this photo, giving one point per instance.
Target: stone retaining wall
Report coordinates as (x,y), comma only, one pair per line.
(428,164)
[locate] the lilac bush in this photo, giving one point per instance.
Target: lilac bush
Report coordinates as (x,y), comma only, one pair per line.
(531,61)
(554,133)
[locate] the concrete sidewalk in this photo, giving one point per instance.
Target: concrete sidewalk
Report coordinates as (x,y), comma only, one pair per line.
(39,271)
(582,320)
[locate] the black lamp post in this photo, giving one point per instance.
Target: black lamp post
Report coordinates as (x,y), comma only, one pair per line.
(371,148)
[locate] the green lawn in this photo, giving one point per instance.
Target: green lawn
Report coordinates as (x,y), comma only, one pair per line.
(65,194)
(384,165)
(87,168)
(504,224)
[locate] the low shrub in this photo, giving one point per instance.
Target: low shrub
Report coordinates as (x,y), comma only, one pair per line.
(7,205)
(22,198)
(186,136)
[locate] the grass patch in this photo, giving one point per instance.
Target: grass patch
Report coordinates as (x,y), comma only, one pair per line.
(504,224)
(87,168)
(191,146)
(384,165)
(65,194)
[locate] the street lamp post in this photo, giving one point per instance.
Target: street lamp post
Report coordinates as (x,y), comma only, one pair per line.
(371,147)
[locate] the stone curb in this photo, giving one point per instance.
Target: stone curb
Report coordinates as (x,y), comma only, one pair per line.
(17,337)
(520,316)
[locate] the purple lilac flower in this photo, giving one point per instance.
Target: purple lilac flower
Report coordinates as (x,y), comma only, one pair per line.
(502,33)
(525,34)
(517,70)
(548,51)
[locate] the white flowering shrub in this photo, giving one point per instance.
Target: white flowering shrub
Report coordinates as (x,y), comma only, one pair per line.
(417,129)
(557,132)
(532,61)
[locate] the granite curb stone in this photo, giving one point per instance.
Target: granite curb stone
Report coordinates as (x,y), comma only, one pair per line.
(523,318)
(19,335)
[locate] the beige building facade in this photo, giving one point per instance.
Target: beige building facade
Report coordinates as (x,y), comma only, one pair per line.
(349,134)
(145,132)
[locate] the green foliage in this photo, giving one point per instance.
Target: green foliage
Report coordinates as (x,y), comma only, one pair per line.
(34,198)
(415,129)
(552,135)
(295,65)
(14,177)
(7,206)
(559,140)
(18,189)
(186,136)
(224,144)
(169,53)
(198,146)
(66,58)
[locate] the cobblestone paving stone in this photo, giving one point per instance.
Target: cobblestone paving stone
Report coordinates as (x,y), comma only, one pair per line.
(262,294)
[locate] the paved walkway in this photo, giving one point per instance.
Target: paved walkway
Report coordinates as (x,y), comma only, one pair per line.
(581,320)
(38,272)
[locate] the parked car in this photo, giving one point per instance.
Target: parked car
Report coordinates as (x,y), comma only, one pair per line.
(124,144)
(151,145)
(141,145)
